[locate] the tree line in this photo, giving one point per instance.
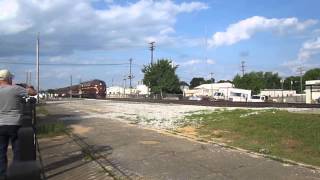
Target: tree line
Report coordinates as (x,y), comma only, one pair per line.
(161,78)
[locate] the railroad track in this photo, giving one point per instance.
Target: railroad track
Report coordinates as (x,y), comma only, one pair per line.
(112,167)
(221,103)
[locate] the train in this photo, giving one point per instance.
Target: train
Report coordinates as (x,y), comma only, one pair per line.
(91,89)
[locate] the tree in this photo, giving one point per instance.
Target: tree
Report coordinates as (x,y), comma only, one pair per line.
(183,83)
(197,81)
(256,81)
(161,77)
(224,81)
(292,82)
(312,74)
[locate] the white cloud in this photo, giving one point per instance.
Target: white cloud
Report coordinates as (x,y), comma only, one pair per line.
(191,62)
(68,26)
(246,28)
(309,49)
(210,61)
(197,61)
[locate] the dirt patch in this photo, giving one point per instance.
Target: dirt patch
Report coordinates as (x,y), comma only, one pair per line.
(219,133)
(290,144)
(78,129)
(149,142)
(188,131)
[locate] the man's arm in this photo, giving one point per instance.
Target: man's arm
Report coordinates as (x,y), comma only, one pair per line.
(31,91)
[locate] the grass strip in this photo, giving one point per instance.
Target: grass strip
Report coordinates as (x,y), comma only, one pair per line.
(280,133)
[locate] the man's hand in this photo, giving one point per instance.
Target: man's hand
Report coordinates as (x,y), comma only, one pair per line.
(31,91)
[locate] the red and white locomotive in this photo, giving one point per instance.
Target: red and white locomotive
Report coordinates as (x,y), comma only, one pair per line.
(90,89)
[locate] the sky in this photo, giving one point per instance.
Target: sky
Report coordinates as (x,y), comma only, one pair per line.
(94,39)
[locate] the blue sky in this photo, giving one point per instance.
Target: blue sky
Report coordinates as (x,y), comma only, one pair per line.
(199,36)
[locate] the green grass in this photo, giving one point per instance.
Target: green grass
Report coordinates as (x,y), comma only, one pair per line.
(40,109)
(51,129)
(294,136)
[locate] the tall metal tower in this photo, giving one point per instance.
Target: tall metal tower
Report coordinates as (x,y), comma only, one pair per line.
(243,67)
(152,46)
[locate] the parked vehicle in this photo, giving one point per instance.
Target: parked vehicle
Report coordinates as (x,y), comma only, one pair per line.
(258,98)
(232,94)
(194,98)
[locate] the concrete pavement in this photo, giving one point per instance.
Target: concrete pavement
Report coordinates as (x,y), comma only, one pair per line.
(148,154)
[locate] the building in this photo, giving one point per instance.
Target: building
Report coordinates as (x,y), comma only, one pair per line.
(206,89)
(232,94)
(312,91)
(275,93)
(117,91)
(142,89)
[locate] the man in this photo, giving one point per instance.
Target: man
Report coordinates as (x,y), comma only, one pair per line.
(10,113)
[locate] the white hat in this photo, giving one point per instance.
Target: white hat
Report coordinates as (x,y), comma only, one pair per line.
(5,74)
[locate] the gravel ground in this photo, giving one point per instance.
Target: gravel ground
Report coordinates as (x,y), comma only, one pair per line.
(159,116)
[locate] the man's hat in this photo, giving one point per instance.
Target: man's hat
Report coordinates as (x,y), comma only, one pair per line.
(5,74)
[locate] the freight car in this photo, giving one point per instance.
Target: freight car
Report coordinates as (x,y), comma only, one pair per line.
(90,89)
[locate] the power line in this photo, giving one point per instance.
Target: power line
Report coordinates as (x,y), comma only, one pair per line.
(65,64)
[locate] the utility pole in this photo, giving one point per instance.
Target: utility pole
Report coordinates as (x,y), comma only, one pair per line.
(124,86)
(27,78)
(282,81)
(211,76)
(300,70)
(30,79)
(80,91)
(152,46)
(243,67)
(38,66)
(130,77)
(70,86)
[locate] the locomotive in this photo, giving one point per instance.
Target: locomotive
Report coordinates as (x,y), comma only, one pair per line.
(90,89)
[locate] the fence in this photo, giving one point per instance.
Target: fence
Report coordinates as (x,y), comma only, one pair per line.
(27,166)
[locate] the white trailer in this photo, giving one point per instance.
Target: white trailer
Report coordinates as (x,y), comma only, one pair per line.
(232,94)
(258,98)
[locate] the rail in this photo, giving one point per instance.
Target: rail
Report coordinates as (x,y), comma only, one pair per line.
(222,103)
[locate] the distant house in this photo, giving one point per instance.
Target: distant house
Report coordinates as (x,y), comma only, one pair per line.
(313,91)
(206,89)
(142,89)
(117,91)
(275,93)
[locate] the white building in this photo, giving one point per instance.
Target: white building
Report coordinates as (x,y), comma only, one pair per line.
(142,90)
(206,89)
(275,93)
(117,91)
(312,91)
(233,94)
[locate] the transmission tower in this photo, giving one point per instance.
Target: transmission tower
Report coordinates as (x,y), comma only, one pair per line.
(243,67)
(152,46)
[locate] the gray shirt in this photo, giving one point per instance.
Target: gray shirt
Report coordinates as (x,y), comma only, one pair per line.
(10,104)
